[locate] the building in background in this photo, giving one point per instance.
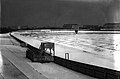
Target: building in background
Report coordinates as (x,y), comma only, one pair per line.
(91,27)
(70,26)
(111,26)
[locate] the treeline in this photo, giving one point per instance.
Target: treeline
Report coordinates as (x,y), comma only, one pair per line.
(82,27)
(10,29)
(104,27)
(6,29)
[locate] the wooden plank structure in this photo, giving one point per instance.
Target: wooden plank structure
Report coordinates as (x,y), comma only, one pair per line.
(41,54)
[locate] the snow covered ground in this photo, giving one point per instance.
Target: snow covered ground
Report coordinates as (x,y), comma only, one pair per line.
(104,44)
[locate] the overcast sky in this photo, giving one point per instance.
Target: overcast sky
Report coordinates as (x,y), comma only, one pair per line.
(59,12)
